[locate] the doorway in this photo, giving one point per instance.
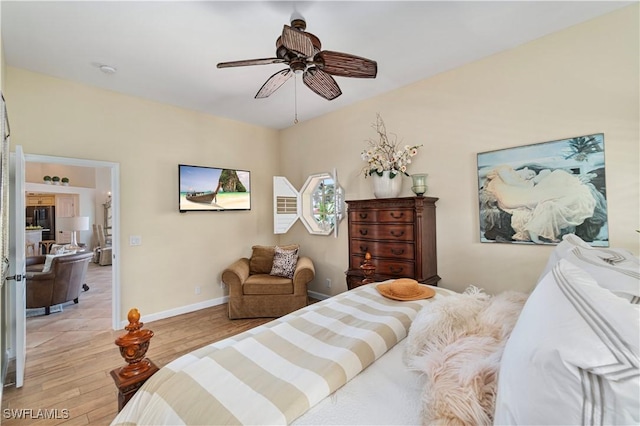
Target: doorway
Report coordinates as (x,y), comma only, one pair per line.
(113,172)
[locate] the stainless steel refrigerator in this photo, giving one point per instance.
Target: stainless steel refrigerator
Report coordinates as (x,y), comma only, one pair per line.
(44,216)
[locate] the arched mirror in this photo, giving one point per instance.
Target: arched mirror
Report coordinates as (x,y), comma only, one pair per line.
(320,204)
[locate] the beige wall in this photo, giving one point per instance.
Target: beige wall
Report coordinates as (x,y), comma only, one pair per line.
(55,117)
(78,176)
(579,81)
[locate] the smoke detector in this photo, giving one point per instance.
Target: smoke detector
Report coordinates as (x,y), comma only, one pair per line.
(107,69)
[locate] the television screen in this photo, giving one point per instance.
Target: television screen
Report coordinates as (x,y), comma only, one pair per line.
(213,189)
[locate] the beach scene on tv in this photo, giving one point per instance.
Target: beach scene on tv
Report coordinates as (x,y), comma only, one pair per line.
(209,188)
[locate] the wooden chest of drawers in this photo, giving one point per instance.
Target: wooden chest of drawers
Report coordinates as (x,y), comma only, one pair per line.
(400,234)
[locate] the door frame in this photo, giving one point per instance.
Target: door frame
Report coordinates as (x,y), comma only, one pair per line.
(115,204)
(17,265)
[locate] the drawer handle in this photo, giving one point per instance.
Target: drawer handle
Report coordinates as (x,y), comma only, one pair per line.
(363,215)
(364,249)
(396,270)
(397,252)
(364,231)
(393,215)
(397,233)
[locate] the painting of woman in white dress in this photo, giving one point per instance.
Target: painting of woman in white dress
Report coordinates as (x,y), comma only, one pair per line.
(538,193)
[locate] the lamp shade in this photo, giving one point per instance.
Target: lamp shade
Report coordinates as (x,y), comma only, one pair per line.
(76,223)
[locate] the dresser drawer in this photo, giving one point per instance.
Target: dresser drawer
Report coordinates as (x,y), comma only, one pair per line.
(395,268)
(396,250)
(391,216)
(369,216)
(382,216)
(387,232)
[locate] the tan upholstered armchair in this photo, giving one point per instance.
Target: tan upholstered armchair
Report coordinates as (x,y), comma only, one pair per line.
(255,289)
(60,281)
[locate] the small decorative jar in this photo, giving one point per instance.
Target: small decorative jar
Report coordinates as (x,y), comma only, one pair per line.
(419,184)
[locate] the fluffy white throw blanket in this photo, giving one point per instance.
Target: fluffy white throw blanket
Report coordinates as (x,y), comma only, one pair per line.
(457,343)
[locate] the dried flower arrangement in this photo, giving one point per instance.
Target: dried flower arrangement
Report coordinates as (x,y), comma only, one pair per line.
(385,154)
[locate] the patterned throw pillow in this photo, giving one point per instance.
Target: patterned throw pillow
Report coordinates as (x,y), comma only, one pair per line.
(284,262)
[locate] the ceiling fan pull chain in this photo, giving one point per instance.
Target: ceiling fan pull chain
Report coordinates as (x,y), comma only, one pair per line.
(295,98)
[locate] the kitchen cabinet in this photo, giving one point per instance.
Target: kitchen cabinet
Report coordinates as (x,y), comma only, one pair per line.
(41,200)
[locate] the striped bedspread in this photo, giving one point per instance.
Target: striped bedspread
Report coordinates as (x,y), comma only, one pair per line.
(272,374)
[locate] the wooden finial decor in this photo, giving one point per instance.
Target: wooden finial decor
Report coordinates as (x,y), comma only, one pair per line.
(134,345)
(368,269)
(133,348)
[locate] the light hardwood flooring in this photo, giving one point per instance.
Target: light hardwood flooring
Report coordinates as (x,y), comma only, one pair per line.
(77,322)
(70,355)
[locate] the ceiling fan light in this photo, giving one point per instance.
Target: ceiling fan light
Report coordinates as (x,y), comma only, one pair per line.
(298,66)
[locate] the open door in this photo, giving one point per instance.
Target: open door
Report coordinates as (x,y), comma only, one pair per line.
(17,286)
(4,240)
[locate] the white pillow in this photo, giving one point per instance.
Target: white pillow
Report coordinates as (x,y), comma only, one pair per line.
(573,356)
(615,269)
(56,249)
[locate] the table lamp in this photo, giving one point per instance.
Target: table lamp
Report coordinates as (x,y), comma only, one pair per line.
(73,224)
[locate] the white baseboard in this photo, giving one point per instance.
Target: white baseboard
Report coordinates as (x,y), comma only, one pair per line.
(319,296)
(179,311)
(201,305)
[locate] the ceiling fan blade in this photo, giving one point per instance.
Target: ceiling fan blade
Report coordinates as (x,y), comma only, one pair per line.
(265,61)
(274,82)
(297,41)
(346,65)
(321,83)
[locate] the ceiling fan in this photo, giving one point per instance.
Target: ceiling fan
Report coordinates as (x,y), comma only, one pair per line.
(300,50)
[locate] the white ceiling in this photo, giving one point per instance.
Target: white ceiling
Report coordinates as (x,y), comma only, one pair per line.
(168,51)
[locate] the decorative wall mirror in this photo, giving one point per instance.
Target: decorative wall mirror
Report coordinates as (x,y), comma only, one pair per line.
(319,204)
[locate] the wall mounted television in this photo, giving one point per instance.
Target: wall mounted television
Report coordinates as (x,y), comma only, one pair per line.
(213,189)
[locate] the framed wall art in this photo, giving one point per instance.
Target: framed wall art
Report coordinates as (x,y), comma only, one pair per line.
(537,193)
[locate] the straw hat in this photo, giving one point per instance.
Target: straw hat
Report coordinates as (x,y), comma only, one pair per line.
(405,289)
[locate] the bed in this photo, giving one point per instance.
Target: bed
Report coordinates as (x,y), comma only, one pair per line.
(456,358)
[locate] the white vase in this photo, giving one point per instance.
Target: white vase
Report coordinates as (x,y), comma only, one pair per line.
(385,186)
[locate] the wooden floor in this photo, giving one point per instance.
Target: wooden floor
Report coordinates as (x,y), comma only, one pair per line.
(76,323)
(67,376)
